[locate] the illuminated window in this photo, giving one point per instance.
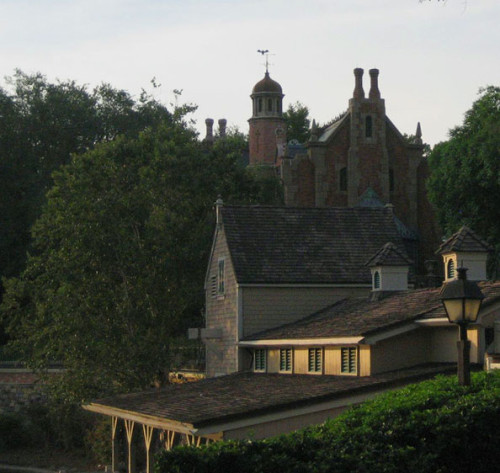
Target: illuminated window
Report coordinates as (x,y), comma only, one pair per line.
(349,360)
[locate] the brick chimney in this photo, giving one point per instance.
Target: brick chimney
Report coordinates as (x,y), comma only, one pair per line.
(374,92)
(222,127)
(358,93)
(209,122)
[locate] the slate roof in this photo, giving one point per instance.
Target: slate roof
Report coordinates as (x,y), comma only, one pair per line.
(389,255)
(364,317)
(241,395)
(306,245)
(464,240)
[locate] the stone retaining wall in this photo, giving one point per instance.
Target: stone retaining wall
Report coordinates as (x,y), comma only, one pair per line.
(19,388)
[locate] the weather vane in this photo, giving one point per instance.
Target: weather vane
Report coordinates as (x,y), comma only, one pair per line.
(266,52)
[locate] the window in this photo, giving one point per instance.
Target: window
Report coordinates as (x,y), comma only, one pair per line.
(269,105)
(349,360)
(220,278)
(286,359)
(391,180)
(259,360)
(343,179)
(368,126)
(376,280)
(213,285)
(278,106)
(260,105)
(450,269)
(315,360)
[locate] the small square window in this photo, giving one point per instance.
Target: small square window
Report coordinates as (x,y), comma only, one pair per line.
(286,359)
(349,360)
(315,360)
(259,358)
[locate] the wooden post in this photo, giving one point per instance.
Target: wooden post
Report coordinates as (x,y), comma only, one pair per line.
(115,448)
(148,435)
(129,426)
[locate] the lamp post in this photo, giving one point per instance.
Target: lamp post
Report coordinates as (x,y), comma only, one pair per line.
(462,300)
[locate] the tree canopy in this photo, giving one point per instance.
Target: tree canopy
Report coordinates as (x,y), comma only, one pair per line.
(464,184)
(297,122)
(41,125)
(119,257)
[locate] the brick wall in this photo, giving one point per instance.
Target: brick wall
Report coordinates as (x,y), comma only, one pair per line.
(18,390)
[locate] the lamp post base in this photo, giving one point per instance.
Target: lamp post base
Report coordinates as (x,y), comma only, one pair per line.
(463,367)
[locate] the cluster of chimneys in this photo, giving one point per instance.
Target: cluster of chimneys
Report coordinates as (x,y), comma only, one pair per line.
(209,122)
(359,93)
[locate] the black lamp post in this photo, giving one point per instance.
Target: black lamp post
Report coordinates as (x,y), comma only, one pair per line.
(462,300)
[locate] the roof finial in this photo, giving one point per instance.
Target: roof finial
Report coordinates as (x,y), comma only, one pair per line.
(266,52)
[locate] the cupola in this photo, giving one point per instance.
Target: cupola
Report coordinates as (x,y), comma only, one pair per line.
(465,249)
(267,97)
(389,267)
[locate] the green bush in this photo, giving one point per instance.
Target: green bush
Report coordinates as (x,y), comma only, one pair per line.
(434,426)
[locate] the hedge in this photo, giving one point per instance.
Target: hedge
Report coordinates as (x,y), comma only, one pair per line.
(433,426)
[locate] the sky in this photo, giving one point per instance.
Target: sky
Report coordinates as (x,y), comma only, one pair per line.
(433,56)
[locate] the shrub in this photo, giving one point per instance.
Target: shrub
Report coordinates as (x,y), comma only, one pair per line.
(434,426)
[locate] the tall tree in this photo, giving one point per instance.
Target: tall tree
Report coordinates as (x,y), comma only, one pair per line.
(41,125)
(297,122)
(464,184)
(119,258)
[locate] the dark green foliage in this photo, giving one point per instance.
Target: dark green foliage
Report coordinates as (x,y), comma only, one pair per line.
(118,261)
(297,122)
(434,426)
(464,184)
(41,125)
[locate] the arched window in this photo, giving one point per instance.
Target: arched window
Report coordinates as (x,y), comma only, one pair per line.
(260,105)
(368,126)
(269,105)
(391,180)
(278,106)
(450,269)
(343,179)
(376,280)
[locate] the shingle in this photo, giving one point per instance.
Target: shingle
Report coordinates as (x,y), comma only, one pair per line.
(389,255)
(246,394)
(362,316)
(306,245)
(464,240)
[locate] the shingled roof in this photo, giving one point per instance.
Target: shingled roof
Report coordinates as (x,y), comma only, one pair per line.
(240,395)
(389,255)
(363,317)
(306,245)
(465,240)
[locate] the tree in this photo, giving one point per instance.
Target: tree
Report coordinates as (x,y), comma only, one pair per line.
(41,125)
(464,184)
(297,122)
(119,258)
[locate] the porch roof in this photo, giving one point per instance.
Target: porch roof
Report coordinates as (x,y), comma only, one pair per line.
(216,401)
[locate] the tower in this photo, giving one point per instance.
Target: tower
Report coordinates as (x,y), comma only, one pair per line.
(267,136)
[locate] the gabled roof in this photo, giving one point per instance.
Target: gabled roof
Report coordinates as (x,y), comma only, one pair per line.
(272,245)
(389,255)
(464,240)
(363,317)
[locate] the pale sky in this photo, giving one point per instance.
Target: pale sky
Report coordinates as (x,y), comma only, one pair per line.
(433,56)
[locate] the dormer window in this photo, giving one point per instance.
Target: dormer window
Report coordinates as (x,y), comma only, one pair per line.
(315,360)
(450,269)
(286,360)
(376,280)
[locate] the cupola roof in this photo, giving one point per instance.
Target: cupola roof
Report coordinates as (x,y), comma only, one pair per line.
(267,85)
